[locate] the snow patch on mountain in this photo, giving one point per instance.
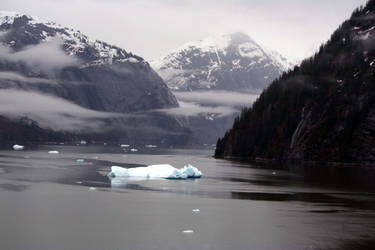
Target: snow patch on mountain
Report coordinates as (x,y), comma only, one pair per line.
(231,62)
(74,42)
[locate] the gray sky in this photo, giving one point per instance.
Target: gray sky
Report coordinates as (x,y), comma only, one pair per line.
(152,28)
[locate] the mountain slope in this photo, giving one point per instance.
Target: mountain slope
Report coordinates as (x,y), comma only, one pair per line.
(44,57)
(232,62)
(322,110)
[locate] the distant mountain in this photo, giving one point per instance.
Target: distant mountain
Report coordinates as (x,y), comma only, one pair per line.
(47,58)
(323,110)
(218,64)
(232,62)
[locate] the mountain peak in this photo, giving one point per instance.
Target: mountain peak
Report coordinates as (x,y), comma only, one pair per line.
(240,37)
(218,42)
(231,62)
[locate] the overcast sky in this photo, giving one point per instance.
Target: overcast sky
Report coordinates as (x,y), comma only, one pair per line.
(152,28)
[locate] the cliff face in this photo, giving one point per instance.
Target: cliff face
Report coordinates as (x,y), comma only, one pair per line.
(323,110)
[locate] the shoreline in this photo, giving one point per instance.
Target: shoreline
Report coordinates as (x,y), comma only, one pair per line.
(351,175)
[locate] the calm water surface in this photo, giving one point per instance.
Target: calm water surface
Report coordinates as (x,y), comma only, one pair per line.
(54,202)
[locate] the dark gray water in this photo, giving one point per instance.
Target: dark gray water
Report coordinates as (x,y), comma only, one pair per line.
(54,202)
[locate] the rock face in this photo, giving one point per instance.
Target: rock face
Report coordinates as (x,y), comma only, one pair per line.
(218,64)
(47,58)
(232,62)
(323,110)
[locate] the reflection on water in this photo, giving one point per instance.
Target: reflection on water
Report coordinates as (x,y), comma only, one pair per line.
(13,187)
(356,245)
(276,206)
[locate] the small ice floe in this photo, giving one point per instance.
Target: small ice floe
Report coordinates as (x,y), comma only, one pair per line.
(92,188)
(124,145)
(18,147)
(188,231)
(165,171)
(80,160)
(54,152)
(196,210)
(133,150)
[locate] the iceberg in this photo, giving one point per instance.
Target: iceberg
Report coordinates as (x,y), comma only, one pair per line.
(53,152)
(165,171)
(18,147)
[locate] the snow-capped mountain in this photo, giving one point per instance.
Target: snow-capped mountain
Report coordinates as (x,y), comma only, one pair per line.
(74,42)
(47,58)
(232,62)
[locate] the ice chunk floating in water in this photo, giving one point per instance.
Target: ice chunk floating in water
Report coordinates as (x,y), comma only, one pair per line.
(156,171)
(53,152)
(188,231)
(18,147)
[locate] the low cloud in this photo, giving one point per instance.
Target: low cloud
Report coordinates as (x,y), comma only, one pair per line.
(51,112)
(221,98)
(58,114)
(221,103)
(13,76)
(194,109)
(46,57)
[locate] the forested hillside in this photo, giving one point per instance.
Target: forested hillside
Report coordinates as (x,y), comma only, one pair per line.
(322,110)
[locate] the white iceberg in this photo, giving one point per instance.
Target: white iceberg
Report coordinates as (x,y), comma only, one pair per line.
(165,171)
(53,152)
(18,147)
